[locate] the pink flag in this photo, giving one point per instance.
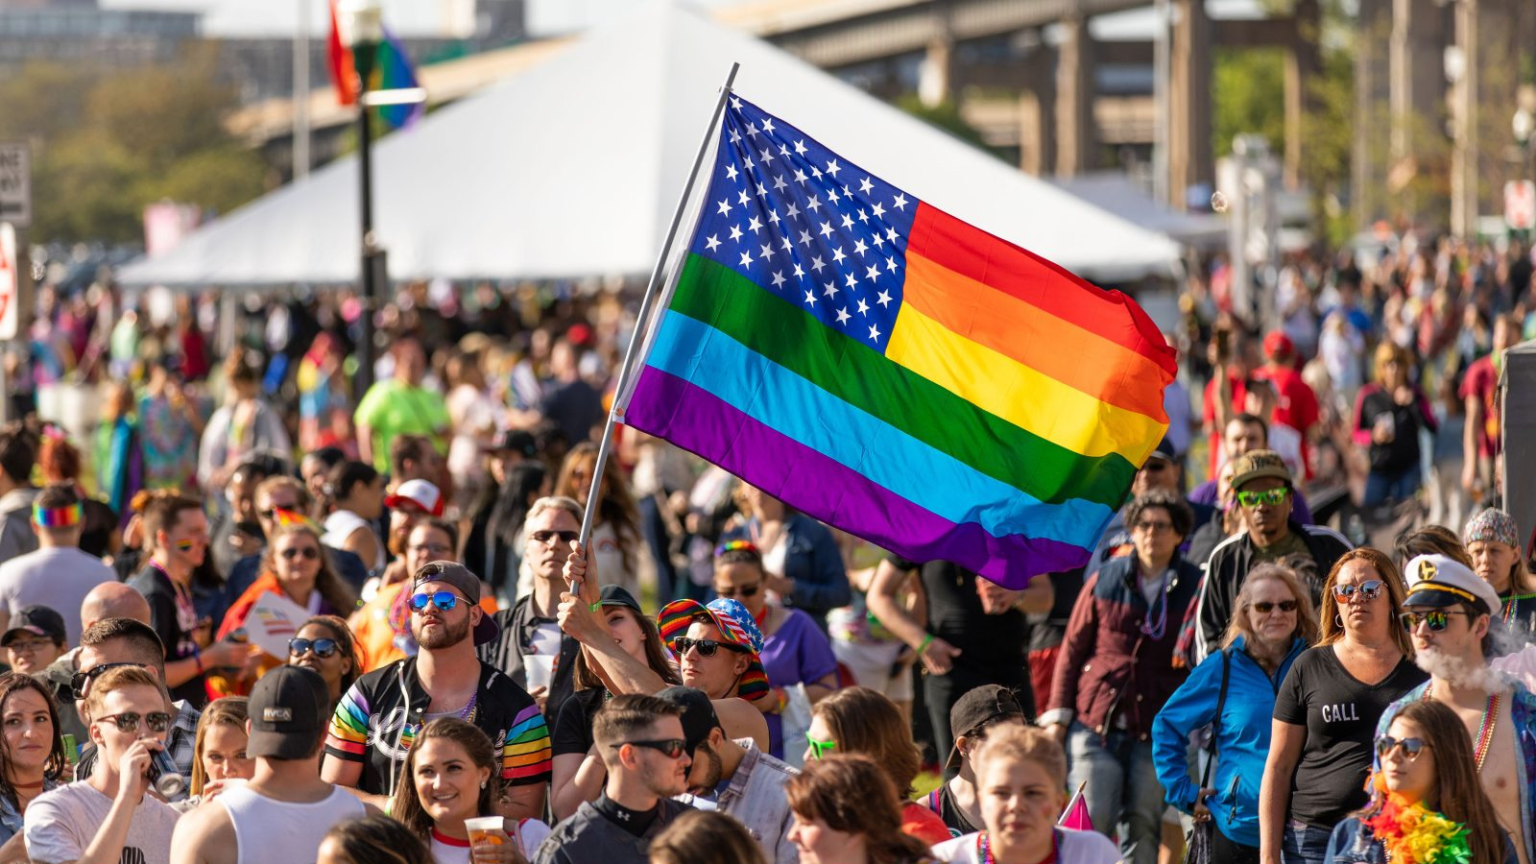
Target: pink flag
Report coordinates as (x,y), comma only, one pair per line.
(1076,815)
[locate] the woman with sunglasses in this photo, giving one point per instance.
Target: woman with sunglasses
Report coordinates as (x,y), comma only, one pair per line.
(453,774)
(32,759)
(859,720)
(1327,709)
(1116,670)
(218,756)
(795,650)
(1234,692)
(325,645)
(296,567)
(1427,805)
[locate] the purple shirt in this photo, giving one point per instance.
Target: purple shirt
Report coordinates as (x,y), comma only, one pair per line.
(797,653)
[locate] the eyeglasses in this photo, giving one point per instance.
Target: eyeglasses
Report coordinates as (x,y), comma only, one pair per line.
(323,648)
(1411,747)
(80,682)
(1437,620)
(28,646)
(429,548)
(743,591)
(1369,590)
(819,749)
(1271,497)
(1265,607)
(309,553)
(672,748)
(128,721)
(707,647)
(444,600)
(566,537)
(1154,527)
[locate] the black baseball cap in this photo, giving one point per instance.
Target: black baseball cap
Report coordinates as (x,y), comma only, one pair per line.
(38,621)
(616,595)
(468,584)
(519,441)
(290,709)
(698,714)
(976,709)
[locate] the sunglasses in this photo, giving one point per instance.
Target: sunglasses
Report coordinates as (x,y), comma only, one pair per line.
(1154,527)
(309,553)
(444,600)
(707,647)
(1265,607)
(672,748)
(80,682)
(743,591)
(1272,497)
(1411,747)
(1369,590)
(819,749)
(545,537)
(323,648)
(1437,620)
(128,721)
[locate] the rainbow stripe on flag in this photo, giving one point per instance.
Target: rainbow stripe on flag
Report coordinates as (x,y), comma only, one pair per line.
(893,371)
(391,71)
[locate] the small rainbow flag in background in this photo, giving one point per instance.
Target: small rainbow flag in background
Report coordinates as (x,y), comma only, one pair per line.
(391,71)
(893,371)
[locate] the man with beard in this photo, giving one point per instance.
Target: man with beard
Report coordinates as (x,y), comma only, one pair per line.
(641,742)
(1448,612)
(735,777)
(378,718)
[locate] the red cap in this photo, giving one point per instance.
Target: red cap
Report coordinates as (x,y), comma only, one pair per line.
(1277,344)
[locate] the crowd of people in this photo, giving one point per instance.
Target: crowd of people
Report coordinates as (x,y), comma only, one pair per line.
(1243,671)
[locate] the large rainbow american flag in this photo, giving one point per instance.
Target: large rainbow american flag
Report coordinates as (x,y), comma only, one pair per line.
(884,367)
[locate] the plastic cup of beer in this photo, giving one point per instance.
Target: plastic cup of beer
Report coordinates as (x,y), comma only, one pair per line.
(486,831)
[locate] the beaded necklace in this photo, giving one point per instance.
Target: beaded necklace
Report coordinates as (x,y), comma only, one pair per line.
(1485,729)
(984,849)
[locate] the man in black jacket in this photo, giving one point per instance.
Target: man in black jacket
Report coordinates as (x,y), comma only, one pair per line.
(1264,493)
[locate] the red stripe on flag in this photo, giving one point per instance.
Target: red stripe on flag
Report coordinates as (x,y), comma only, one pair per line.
(343,73)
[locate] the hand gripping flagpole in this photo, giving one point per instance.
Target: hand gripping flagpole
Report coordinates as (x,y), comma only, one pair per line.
(626,369)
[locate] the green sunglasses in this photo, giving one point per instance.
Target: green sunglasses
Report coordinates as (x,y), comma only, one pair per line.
(820,748)
(1272,497)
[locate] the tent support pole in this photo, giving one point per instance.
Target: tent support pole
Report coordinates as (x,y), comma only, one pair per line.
(627,368)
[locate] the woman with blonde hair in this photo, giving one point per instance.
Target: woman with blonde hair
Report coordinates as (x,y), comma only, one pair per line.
(1233,691)
(218,751)
(1327,708)
(1389,412)
(1022,775)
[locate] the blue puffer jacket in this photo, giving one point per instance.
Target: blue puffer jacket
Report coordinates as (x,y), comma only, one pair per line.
(1243,744)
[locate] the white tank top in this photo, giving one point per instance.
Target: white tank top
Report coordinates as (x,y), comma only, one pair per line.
(340,525)
(303,826)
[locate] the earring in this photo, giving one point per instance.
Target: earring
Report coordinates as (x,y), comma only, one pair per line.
(1338,621)
(483,784)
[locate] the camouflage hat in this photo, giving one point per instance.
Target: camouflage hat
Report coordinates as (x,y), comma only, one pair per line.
(1256,465)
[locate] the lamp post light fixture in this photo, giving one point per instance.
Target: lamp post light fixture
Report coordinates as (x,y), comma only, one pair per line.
(361,26)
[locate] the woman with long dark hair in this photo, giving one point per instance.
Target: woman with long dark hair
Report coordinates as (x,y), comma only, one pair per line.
(495,543)
(1427,804)
(454,773)
(1328,707)
(847,811)
(324,643)
(33,753)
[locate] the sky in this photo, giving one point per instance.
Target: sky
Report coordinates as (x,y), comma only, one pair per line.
(545,17)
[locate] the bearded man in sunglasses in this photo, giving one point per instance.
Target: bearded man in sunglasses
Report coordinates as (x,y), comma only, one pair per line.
(111,816)
(1264,494)
(383,712)
(1448,613)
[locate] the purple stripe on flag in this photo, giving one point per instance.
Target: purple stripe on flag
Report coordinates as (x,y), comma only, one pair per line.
(696,420)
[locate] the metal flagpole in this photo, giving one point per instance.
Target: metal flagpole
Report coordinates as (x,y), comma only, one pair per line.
(626,369)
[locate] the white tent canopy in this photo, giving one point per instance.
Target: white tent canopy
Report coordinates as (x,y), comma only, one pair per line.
(572,169)
(1116,192)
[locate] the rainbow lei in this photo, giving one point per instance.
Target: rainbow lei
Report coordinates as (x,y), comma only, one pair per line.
(1415,835)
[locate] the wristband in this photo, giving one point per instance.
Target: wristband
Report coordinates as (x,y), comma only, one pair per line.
(197,655)
(594,607)
(927,640)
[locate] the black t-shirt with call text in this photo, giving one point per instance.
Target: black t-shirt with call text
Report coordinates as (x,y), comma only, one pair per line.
(1340,716)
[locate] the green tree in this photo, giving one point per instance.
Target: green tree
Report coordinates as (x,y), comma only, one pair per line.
(108,142)
(1247,97)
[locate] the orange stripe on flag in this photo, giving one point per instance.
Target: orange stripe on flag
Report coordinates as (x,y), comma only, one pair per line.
(1079,358)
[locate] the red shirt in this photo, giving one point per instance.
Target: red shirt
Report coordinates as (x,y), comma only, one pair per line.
(1297,406)
(924,824)
(1482,381)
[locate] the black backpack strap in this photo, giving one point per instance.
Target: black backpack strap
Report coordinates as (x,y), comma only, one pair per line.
(1221,704)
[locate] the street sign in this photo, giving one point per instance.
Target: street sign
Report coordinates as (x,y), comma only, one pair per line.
(15,184)
(10,282)
(1520,205)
